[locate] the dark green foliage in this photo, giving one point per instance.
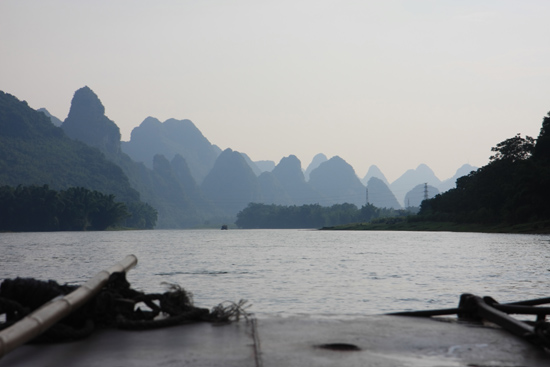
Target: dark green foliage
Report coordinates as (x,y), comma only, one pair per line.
(169,189)
(35,152)
(18,120)
(39,208)
(142,215)
(513,149)
(542,148)
(309,216)
(511,189)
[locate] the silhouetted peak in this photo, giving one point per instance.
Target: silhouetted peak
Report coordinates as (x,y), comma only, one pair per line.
(174,123)
(231,184)
(265,165)
(252,165)
(337,161)
(289,168)
(147,127)
(87,122)
(465,170)
(375,181)
(417,194)
(290,162)
(374,171)
(181,168)
(150,121)
(227,152)
(422,173)
(161,164)
(411,178)
(17,119)
(336,180)
(335,166)
(179,160)
(172,137)
(57,122)
(315,162)
(85,101)
(231,159)
(450,183)
(318,159)
(380,195)
(424,169)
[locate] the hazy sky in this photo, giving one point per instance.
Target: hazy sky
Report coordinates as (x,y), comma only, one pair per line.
(394,83)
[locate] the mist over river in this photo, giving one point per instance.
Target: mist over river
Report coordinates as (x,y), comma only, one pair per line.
(289,272)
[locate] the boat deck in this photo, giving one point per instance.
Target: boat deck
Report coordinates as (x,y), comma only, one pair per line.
(295,341)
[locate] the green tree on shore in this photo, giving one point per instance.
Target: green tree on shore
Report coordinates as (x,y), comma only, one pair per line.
(511,189)
(39,208)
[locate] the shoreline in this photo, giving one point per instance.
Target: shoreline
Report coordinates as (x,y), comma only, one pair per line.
(523,228)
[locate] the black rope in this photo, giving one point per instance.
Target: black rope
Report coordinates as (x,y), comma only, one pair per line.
(117,305)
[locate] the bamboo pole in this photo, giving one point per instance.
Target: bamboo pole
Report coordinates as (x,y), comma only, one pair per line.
(50,313)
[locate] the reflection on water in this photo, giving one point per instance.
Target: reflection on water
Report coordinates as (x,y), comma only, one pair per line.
(297,271)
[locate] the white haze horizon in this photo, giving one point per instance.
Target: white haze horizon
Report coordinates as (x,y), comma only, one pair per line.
(394,83)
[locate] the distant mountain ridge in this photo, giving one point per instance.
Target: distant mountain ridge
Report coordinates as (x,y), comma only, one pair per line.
(169,138)
(191,182)
(451,182)
(289,173)
(412,177)
(35,152)
(374,171)
(57,122)
(380,195)
(87,122)
(231,184)
(336,180)
(265,166)
(419,193)
(315,162)
(166,189)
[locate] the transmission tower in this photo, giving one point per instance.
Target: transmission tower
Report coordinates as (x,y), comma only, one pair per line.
(426,191)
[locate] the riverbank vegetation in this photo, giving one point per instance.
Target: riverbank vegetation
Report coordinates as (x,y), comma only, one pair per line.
(310,216)
(410,224)
(39,208)
(510,194)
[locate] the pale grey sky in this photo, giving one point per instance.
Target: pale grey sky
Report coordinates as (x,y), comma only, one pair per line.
(394,83)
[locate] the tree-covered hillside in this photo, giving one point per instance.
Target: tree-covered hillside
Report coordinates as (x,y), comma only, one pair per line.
(512,188)
(167,186)
(35,152)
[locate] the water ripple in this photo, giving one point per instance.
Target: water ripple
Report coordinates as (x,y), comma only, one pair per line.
(295,272)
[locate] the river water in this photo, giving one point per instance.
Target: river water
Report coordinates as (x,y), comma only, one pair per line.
(292,272)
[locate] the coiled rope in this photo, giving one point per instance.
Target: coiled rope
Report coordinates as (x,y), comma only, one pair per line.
(117,305)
